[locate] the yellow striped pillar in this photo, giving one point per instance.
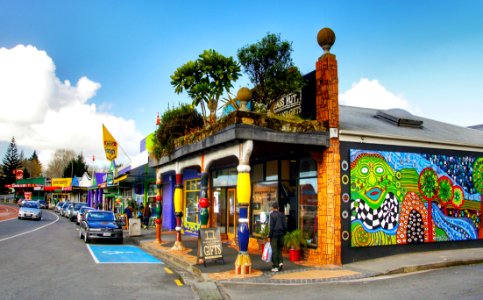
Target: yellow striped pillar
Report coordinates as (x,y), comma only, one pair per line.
(243,263)
(178,211)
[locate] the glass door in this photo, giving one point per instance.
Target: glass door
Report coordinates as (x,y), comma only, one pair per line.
(232,213)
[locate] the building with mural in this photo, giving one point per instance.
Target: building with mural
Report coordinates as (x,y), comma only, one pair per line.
(359,183)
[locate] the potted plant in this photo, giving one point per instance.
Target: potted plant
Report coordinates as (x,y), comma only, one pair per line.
(294,241)
(262,234)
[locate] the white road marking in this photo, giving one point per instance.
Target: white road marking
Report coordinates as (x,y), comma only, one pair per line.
(92,254)
(30,231)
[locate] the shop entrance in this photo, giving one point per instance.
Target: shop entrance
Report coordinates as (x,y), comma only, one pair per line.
(226,211)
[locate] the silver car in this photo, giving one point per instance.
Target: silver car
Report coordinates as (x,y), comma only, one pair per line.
(74,210)
(30,210)
(81,215)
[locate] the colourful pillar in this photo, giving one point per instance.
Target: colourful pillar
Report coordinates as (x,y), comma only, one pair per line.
(243,263)
(159,209)
(204,203)
(178,211)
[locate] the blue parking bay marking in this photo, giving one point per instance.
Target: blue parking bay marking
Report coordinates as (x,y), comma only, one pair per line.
(121,254)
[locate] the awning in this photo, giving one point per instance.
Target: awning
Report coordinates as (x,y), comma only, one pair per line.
(52,188)
(117,180)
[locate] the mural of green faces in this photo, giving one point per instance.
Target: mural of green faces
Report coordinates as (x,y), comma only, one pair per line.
(371,179)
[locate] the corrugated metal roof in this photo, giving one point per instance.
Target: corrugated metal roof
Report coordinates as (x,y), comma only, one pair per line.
(361,122)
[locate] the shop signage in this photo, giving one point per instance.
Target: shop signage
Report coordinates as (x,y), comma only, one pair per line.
(61,182)
(301,103)
(209,244)
(289,105)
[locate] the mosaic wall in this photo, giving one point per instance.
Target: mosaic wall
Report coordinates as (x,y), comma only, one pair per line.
(403,198)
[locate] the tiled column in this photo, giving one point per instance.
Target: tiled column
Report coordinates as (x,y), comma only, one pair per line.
(328,162)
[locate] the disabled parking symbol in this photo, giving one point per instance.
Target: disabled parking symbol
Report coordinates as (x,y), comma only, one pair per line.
(121,254)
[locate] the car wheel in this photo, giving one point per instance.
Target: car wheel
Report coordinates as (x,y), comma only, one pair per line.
(20,218)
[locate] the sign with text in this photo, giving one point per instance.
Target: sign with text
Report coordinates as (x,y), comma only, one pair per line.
(210,246)
(300,103)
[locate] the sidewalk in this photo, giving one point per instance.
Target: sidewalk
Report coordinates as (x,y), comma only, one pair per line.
(295,273)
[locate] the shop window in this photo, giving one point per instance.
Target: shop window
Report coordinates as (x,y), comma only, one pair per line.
(192,194)
(227,177)
(257,173)
(264,194)
(308,168)
(308,210)
(272,170)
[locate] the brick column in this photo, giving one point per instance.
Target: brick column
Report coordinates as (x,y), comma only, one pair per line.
(328,251)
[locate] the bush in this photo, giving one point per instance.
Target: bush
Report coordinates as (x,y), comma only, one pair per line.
(175,123)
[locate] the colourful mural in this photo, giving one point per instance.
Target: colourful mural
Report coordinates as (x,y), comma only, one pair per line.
(405,198)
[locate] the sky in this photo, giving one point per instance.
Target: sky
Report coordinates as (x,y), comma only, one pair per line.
(67,67)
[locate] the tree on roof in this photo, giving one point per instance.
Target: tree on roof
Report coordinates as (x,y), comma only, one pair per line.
(270,68)
(206,80)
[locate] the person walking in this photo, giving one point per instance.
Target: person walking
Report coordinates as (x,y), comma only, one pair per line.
(128,212)
(278,226)
(146,215)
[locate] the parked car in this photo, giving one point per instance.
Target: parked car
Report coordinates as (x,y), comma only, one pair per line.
(63,208)
(100,225)
(81,215)
(66,211)
(30,210)
(74,210)
(58,206)
(43,204)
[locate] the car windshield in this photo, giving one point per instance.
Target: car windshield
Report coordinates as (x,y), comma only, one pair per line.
(100,216)
(79,205)
(30,204)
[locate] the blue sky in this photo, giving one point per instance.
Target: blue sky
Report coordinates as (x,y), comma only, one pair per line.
(84,63)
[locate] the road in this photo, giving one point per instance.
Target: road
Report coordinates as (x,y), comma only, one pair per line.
(47,260)
(463,282)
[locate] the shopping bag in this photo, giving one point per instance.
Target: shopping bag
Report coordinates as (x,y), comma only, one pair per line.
(267,252)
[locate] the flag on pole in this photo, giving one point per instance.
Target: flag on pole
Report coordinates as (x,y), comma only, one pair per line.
(110,144)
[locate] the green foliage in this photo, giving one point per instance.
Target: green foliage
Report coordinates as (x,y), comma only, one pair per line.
(11,162)
(269,67)
(175,123)
(294,239)
(76,167)
(206,80)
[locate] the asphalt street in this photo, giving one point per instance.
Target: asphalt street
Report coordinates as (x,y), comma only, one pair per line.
(47,260)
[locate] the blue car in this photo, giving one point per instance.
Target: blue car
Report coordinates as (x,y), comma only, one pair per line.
(100,225)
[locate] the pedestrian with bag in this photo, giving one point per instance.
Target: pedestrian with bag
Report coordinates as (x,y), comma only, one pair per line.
(278,227)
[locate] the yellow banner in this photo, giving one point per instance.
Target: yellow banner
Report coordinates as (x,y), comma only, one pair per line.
(110,144)
(62,182)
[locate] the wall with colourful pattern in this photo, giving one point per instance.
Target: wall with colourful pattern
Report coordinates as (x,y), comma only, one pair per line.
(411,198)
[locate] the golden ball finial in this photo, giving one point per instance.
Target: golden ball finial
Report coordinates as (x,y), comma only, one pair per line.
(326,38)
(244,94)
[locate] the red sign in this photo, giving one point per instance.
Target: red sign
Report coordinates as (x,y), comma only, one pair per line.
(19,174)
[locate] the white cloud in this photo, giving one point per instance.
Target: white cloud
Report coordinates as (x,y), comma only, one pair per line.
(371,94)
(44,113)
